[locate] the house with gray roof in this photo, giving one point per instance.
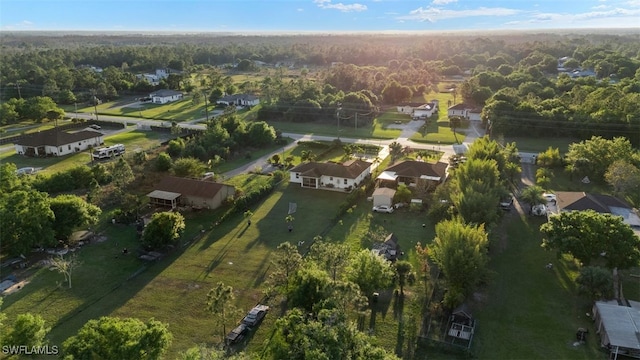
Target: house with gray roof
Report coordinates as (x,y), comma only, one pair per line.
(618,327)
(55,142)
(605,204)
(329,175)
(239,100)
(165,96)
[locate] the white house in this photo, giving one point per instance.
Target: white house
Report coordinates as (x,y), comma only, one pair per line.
(419,110)
(344,176)
(55,142)
(165,96)
(239,100)
(468,112)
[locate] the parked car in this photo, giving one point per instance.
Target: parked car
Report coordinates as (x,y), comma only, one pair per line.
(539,210)
(95,127)
(383,209)
(25,171)
(237,334)
(505,204)
(549,197)
(255,316)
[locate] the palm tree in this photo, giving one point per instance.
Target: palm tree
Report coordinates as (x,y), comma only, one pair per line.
(395,150)
(405,275)
(532,195)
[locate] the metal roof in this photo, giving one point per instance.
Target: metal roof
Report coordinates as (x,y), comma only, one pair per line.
(621,323)
(164,195)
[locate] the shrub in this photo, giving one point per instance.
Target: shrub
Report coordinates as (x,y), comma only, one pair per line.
(163,162)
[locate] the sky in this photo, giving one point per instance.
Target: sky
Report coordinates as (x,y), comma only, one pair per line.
(300,16)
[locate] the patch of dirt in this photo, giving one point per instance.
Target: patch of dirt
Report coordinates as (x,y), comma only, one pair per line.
(100,238)
(15,287)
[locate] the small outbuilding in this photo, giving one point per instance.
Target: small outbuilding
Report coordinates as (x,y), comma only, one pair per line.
(383,196)
(618,328)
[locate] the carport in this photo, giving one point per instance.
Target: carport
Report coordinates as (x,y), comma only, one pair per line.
(383,196)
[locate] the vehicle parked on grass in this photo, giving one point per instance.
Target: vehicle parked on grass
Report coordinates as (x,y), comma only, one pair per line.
(255,315)
(95,127)
(383,209)
(237,334)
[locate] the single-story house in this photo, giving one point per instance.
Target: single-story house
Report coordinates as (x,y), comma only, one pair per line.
(419,110)
(618,327)
(56,142)
(605,204)
(465,111)
(411,173)
(165,96)
(383,196)
(329,175)
(173,191)
(389,249)
(239,100)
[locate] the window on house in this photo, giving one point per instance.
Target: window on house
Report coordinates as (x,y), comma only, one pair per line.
(297,176)
(331,178)
(345,181)
(69,147)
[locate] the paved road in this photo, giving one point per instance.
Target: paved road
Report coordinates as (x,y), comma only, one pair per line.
(474,131)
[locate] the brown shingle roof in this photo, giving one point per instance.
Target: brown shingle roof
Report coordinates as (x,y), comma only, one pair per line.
(578,201)
(190,187)
(55,137)
(348,170)
(411,168)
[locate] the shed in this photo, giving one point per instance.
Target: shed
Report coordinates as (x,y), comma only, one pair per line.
(383,196)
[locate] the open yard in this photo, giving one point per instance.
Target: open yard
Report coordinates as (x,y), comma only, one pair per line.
(528,311)
(541,144)
(182,110)
(378,130)
(438,132)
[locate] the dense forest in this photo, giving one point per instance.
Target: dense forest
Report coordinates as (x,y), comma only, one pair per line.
(515,77)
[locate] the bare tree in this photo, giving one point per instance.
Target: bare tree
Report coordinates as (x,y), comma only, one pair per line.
(65,266)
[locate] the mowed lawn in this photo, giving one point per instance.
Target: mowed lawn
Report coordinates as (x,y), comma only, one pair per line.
(236,254)
(377,130)
(438,132)
(529,311)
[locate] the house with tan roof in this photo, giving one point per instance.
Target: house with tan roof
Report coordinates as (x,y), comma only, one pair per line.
(327,176)
(56,142)
(468,112)
(174,191)
(412,172)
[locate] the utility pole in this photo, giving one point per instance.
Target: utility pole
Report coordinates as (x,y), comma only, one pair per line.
(75,104)
(206,106)
(338,116)
(95,102)
(356,121)
(18,87)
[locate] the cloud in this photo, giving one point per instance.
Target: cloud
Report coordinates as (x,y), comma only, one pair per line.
(633,3)
(443,2)
(22,25)
(433,14)
(600,7)
(327,4)
(593,15)
(300,9)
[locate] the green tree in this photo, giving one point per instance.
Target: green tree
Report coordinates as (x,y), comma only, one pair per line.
(460,251)
(477,191)
(287,262)
(176,147)
(594,156)
(395,150)
(70,212)
(403,194)
(309,286)
(220,303)
(36,108)
(28,330)
(188,167)
(332,257)
(369,271)
(27,221)
(122,173)
(118,338)
(587,234)
(550,158)
(596,282)
(10,180)
(261,134)
(625,179)
(297,337)
(404,274)
(163,162)
(165,228)
(532,195)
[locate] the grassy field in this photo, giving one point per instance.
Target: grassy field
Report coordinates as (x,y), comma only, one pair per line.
(378,130)
(528,311)
(27,127)
(182,110)
(437,132)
